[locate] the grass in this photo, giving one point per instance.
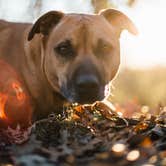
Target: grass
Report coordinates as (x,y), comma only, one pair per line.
(146,87)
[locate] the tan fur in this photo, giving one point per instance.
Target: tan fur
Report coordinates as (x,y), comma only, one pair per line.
(37,64)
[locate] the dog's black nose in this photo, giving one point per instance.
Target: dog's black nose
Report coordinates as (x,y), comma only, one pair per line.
(87,83)
(88,89)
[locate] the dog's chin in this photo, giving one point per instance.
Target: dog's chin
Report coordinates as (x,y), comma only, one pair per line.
(84,98)
(88,100)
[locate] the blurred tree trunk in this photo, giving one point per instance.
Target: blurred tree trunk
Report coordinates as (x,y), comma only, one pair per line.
(103,4)
(38,7)
(131,2)
(34,9)
(100,4)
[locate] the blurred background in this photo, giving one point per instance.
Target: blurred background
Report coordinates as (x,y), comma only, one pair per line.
(142,75)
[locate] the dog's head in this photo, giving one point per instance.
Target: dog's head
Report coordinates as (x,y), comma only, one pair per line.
(81,52)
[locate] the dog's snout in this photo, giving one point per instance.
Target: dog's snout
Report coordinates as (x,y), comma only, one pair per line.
(87,83)
(87,89)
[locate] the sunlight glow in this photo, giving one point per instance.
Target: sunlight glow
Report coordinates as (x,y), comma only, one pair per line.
(148,48)
(133,155)
(142,51)
(118,148)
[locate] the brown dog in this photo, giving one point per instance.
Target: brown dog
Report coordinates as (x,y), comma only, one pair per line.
(65,57)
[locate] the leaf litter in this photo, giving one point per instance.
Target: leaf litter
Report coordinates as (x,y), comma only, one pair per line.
(92,135)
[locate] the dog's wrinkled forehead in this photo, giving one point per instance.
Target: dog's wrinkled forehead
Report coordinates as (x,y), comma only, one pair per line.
(107,18)
(77,20)
(83,18)
(81,27)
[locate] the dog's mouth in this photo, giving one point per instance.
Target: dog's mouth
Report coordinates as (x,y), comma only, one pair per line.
(83,91)
(86,96)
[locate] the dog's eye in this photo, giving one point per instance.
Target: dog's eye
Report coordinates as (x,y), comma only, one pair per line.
(65,49)
(103,48)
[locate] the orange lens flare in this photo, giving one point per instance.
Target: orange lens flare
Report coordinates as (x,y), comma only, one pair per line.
(19,91)
(3,99)
(15,104)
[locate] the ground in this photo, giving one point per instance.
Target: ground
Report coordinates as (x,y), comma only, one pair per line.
(91,135)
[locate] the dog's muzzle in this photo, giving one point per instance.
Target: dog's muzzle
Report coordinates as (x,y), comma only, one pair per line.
(84,87)
(88,89)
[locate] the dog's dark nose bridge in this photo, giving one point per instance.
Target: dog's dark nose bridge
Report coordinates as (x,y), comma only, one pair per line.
(89,82)
(87,77)
(86,82)
(86,67)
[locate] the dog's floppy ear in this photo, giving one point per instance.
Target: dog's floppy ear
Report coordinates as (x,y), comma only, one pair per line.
(119,20)
(45,23)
